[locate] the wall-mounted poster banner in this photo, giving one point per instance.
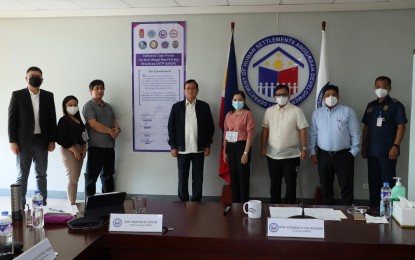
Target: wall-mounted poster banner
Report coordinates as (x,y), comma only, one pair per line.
(159,63)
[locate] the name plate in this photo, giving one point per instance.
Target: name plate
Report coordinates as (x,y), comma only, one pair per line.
(42,250)
(309,228)
(136,223)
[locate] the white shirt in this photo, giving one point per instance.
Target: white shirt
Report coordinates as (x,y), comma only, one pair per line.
(283,124)
(190,128)
(35,104)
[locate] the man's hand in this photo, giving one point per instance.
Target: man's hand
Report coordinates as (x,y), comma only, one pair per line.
(393,153)
(173,152)
(15,148)
(303,155)
(206,151)
(51,146)
(114,133)
(364,152)
(314,158)
(263,152)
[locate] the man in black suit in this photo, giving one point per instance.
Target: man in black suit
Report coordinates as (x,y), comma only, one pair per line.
(191,131)
(32,130)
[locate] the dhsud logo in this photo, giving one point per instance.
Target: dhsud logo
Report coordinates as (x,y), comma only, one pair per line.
(276,60)
(117,222)
(273,227)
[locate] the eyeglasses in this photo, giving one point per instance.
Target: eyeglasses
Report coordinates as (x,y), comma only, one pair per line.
(382,87)
(282,95)
(188,89)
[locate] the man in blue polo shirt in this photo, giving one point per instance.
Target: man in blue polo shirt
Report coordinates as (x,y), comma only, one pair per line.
(384,128)
(334,143)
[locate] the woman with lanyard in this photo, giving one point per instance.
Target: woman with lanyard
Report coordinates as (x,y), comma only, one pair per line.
(238,135)
(72,137)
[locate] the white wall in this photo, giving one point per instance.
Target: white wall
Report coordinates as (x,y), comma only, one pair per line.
(73,51)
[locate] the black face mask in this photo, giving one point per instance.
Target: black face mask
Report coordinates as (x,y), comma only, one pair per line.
(35,81)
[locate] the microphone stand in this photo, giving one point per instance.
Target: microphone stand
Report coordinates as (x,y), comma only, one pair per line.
(302,216)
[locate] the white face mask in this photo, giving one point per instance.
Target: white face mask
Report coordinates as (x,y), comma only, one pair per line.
(330,101)
(72,110)
(381,93)
(282,100)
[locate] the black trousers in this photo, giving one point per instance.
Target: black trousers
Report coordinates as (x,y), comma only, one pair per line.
(183,165)
(278,169)
(239,173)
(100,163)
(341,164)
(380,169)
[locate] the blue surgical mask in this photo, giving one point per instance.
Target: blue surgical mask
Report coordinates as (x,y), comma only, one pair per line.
(238,104)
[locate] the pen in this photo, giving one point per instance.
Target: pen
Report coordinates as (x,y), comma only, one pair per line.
(226,210)
(57,210)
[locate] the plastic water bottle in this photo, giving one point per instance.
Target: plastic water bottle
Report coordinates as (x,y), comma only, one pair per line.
(385,200)
(37,210)
(6,236)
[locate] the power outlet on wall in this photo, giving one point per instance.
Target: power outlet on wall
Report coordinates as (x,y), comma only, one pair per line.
(365,186)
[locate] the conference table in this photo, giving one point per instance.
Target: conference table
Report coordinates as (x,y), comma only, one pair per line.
(201,231)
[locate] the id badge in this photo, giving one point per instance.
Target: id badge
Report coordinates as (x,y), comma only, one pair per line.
(231,137)
(85,136)
(379,121)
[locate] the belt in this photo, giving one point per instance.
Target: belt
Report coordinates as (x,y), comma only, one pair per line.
(333,152)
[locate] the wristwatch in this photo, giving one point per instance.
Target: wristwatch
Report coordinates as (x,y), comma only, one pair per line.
(245,153)
(304,148)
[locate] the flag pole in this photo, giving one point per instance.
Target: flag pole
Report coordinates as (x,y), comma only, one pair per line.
(230,85)
(323,73)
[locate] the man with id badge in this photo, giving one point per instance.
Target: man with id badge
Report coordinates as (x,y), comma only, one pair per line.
(283,127)
(384,128)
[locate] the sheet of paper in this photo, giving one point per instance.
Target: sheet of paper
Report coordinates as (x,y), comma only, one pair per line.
(61,207)
(376,220)
(340,214)
(318,213)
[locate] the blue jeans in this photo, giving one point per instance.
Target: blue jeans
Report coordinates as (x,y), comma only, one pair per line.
(39,155)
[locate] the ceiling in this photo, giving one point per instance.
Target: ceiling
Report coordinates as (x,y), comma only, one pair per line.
(64,8)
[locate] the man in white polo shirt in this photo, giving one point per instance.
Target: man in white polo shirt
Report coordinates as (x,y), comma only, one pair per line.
(283,127)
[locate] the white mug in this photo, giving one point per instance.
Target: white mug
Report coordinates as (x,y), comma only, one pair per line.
(254,208)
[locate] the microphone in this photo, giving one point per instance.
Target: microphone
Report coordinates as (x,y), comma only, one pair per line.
(302,198)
